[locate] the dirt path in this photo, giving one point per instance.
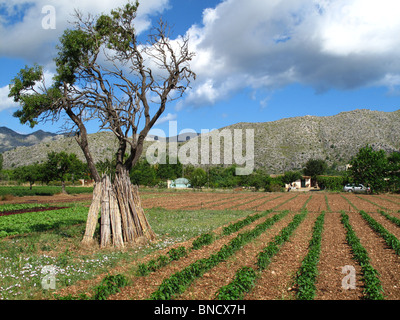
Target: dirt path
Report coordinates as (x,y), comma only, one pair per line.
(60,198)
(335,254)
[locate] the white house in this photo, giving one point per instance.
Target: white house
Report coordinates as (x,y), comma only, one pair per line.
(303,183)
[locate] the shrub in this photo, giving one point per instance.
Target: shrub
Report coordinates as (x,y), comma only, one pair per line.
(332,183)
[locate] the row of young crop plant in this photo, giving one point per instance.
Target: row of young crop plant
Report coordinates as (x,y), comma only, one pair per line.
(372,284)
(373,288)
(217,201)
(246,277)
(306,276)
(201,241)
(41,221)
(21,191)
(21,206)
(178,282)
(308,272)
(173,255)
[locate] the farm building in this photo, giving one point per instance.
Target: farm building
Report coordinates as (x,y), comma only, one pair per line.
(303,183)
(181,183)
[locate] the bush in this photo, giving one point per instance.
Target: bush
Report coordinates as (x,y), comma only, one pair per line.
(332,183)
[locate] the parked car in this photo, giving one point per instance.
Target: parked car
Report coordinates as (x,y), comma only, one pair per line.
(358,188)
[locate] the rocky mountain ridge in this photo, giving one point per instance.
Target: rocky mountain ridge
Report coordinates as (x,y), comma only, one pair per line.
(281,145)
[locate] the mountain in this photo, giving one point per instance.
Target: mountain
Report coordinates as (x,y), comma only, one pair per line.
(10,139)
(286,144)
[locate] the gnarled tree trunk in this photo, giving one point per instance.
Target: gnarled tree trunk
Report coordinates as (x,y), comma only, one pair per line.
(122,217)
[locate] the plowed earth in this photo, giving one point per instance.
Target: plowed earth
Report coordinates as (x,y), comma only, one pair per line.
(277,280)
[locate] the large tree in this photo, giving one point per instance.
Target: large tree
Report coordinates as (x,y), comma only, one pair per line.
(314,168)
(370,167)
(60,165)
(105,74)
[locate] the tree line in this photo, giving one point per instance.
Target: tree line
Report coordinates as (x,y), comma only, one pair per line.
(374,168)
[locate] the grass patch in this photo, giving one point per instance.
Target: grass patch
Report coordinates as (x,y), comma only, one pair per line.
(54,239)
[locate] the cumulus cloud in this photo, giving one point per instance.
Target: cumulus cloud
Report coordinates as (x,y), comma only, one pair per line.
(5,101)
(325,44)
(21,23)
(168,117)
(341,44)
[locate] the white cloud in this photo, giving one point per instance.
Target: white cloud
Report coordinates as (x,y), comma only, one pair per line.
(5,101)
(168,117)
(23,36)
(341,44)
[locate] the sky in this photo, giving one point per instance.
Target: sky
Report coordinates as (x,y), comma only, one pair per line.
(256,61)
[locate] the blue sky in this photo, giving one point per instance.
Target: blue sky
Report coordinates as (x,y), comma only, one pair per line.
(256,61)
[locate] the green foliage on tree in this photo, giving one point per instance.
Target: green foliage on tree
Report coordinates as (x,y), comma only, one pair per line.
(61,166)
(258,179)
(31,174)
(370,168)
(170,170)
(315,167)
(291,176)
(198,178)
(393,183)
(1,161)
(105,73)
(144,174)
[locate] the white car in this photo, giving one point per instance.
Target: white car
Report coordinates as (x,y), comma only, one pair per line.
(358,188)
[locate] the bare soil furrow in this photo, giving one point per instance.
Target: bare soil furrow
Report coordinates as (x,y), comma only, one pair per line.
(298,204)
(206,287)
(337,203)
(317,203)
(382,203)
(142,287)
(361,204)
(276,282)
(276,203)
(253,205)
(382,258)
(335,254)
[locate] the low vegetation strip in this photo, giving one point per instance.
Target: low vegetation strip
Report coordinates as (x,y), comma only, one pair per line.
(109,285)
(308,272)
(264,258)
(327,203)
(246,277)
(373,288)
(264,202)
(20,191)
(203,240)
(391,218)
(21,206)
(178,282)
(389,238)
(41,221)
(233,227)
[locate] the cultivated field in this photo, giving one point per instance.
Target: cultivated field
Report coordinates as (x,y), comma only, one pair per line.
(226,245)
